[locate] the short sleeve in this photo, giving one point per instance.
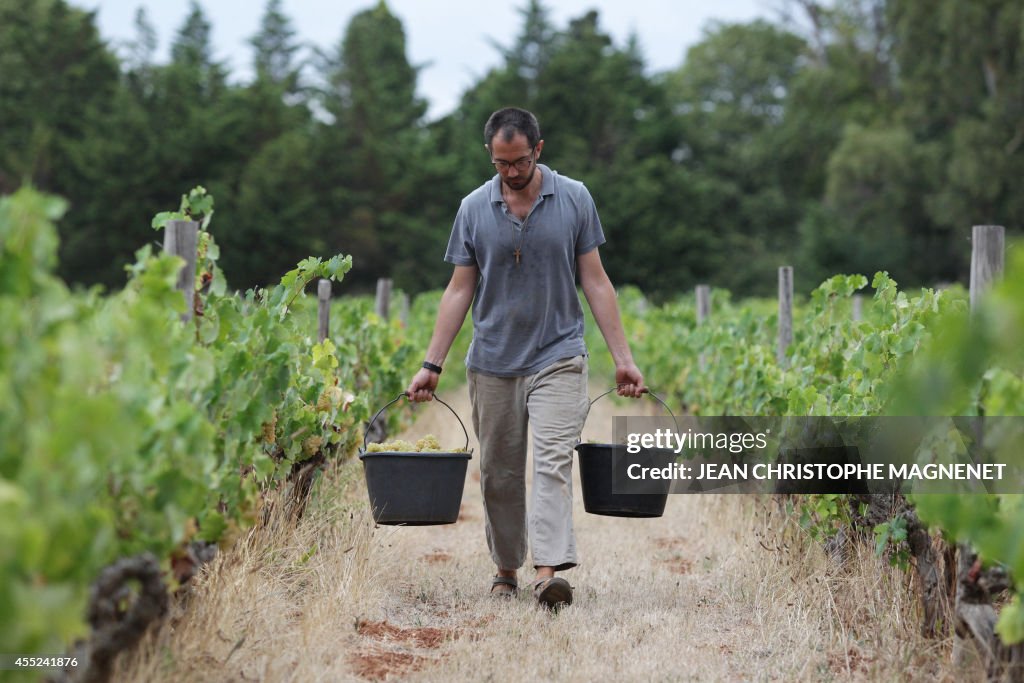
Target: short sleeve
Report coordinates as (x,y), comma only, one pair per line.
(591,234)
(461,251)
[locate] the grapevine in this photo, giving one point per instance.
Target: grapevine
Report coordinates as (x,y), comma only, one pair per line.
(912,354)
(125,432)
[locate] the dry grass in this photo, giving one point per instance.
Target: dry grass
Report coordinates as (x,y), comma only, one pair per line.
(694,595)
(282,605)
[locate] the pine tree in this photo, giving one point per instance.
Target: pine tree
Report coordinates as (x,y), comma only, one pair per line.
(143,47)
(377,167)
(198,75)
(271,196)
(275,49)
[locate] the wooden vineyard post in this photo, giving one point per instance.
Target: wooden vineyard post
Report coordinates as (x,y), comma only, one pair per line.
(383,297)
(858,308)
(974,615)
(181,238)
(642,305)
(323,295)
(785,313)
(987,246)
(703,294)
(987,257)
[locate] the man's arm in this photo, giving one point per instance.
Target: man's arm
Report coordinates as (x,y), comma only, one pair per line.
(605,307)
(455,303)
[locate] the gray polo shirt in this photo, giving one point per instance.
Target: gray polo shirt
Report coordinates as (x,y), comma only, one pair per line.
(527,315)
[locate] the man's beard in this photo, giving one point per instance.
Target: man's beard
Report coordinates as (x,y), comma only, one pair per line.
(519,182)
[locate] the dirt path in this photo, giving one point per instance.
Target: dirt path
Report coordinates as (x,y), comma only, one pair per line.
(721,588)
(688,596)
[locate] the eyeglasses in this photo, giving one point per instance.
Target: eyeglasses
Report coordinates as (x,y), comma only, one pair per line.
(522,164)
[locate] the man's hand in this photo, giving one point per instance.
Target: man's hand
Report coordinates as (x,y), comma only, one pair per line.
(629,380)
(422,386)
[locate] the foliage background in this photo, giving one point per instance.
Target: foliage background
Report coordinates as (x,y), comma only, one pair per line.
(847,136)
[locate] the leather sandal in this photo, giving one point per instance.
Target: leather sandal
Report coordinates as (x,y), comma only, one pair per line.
(504,581)
(552,592)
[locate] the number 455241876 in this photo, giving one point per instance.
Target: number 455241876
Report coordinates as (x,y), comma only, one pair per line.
(14,662)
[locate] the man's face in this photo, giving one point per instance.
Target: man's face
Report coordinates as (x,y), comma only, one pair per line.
(514,160)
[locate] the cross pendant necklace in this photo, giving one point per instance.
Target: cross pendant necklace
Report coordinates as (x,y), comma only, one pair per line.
(517,249)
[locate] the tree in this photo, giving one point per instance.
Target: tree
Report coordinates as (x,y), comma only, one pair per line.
(605,122)
(266,191)
(869,219)
(275,49)
(961,69)
(143,48)
(377,171)
(58,87)
(274,209)
(165,131)
(530,54)
(731,97)
(938,83)
(192,54)
(591,119)
(459,136)
(56,78)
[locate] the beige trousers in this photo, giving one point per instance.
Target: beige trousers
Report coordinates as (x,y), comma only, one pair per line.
(554,403)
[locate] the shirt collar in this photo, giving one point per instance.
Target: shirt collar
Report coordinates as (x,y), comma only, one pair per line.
(547,184)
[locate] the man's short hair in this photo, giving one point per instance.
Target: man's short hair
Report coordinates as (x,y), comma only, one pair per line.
(509,121)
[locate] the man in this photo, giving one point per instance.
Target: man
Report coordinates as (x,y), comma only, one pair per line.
(517,244)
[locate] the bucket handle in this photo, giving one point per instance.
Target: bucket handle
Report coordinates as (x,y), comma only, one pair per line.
(404,395)
(648,392)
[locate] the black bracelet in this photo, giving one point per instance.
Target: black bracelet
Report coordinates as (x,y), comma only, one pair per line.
(433,368)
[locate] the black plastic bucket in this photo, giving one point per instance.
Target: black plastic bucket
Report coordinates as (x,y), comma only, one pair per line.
(597,466)
(415,489)
(597,463)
